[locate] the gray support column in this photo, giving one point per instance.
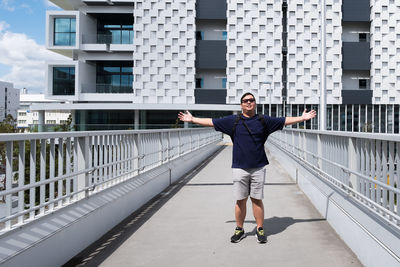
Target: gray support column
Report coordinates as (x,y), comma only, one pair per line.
(83,121)
(136,119)
(185,124)
(41,121)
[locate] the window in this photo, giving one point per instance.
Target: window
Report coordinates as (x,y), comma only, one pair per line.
(64,31)
(115,33)
(224,83)
(224,35)
(114,77)
(199,35)
(50,122)
(21,121)
(362,37)
(63,81)
(199,82)
(21,113)
(362,83)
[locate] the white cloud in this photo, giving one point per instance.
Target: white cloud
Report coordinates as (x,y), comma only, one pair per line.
(26,59)
(7,5)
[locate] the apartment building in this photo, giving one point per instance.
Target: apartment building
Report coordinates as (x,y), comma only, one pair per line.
(9,100)
(26,118)
(139,62)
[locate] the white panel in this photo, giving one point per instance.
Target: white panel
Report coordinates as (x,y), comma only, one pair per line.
(304,51)
(254,50)
(164,54)
(385,53)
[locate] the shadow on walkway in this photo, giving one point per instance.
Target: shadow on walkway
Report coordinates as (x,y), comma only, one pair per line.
(276,225)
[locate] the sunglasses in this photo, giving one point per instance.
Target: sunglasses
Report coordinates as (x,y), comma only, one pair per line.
(250,100)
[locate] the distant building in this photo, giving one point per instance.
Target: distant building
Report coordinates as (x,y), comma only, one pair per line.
(9,100)
(26,118)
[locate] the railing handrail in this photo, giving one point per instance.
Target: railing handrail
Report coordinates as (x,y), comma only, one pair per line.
(69,166)
(364,135)
(37,136)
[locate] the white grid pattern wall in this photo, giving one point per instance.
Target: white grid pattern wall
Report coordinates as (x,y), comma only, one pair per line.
(304,51)
(385,51)
(164,53)
(254,50)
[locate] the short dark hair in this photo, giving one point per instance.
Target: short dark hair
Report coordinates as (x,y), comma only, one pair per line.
(246,94)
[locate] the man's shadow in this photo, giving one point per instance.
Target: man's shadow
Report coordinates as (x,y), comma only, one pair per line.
(276,225)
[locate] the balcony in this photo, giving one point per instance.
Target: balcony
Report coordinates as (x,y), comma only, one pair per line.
(210,96)
(210,54)
(356,10)
(211,9)
(356,56)
(106,89)
(357,96)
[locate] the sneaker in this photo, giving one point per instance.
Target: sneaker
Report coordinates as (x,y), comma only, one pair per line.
(238,235)
(261,238)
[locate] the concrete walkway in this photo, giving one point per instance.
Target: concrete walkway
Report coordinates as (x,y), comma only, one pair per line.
(191,224)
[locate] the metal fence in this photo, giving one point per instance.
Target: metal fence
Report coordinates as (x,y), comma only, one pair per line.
(364,166)
(47,171)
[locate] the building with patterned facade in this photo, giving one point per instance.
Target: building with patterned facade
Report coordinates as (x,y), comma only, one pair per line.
(140,61)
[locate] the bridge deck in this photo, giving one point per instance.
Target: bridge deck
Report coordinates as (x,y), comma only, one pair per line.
(191,224)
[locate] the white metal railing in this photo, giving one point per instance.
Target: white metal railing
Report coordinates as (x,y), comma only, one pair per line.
(364,166)
(47,171)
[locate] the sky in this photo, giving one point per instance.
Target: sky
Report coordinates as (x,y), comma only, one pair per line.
(22,43)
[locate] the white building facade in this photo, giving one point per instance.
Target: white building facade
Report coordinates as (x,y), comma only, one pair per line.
(26,118)
(139,61)
(9,100)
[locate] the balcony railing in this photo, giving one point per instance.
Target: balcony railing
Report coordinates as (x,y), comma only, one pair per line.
(365,167)
(48,171)
(106,89)
(107,39)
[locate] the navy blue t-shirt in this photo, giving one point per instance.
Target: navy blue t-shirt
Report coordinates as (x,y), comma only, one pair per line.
(248,149)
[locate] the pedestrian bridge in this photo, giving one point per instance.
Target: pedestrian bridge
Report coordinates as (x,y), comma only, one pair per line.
(164,198)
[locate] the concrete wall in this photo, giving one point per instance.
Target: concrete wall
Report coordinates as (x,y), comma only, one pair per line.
(57,237)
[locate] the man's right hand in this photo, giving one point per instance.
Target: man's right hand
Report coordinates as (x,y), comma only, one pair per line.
(187,116)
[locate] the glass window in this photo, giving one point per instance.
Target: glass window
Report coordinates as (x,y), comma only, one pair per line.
(64,31)
(115,33)
(114,79)
(362,83)
(63,81)
(362,37)
(224,83)
(199,35)
(224,35)
(199,83)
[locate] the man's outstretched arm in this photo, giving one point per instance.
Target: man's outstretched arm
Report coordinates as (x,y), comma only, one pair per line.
(188,117)
(304,117)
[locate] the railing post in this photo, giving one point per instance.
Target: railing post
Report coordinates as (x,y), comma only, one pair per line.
(353,161)
(319,149)
(9,180)
(82,164)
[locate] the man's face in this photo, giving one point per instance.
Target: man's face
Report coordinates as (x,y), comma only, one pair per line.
(248,103)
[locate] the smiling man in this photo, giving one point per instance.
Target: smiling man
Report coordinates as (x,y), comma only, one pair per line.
(248,132)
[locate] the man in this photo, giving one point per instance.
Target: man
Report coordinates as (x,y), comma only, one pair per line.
(248,132)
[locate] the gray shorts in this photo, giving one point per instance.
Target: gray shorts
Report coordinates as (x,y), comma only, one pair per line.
(248,182)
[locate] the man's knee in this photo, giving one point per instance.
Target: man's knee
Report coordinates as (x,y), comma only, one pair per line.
(241,201)
(258,202)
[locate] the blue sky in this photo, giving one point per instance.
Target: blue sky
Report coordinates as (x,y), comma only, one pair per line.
(22,43)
